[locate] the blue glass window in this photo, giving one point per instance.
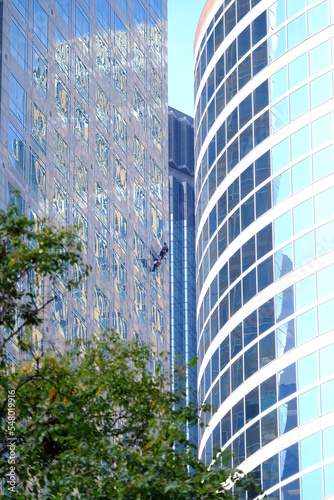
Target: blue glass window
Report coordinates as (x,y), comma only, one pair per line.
(286,380)
(263,200)
(250,328)
(213,221)
(231,56)
(235,298)
(41,23)
(259,58)
(245,111)
(243,42)
(259,28)
(237,373)
(269,427)
(221,166)
(262,168)
(253,442)
(267,349)
(238,416)
(247,181)
(266,316)
(223,312)
(232,124)
(268,393)
(221,208)
(221,141)
(223,280)
(209,49)
(226,428)
(232,155)
(233,194)
(220,71)
(213,252)
(211,85)
(252,404)
(231,86)
(261,128)
(264,241)
(214,323)
(246,141)
(222,239)
(236,340)
(235,266)
(289,461)
(230,19)
(247,213)
(234,225)
(251,361)
(265,273)
(270,472)
(260,97)
(287,416)
(248,254)
(224,353)
(219,33)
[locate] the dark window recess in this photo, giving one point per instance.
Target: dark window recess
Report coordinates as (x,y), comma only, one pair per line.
(244,71)
(236,340)
(249,286)
(244,42)
(248,254)
(230,20)
(250,328)
(260,97)
(262,168)
(247,213)
(221,168)
(231,86)
(246,141)
(266,316)
(260,58)
(247,181)
(263,200)
(264,241)
(223,280)
(232,124)
(233,194)
(245,111)
(231,56)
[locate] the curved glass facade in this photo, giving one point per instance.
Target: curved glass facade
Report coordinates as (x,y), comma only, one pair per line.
(264,187)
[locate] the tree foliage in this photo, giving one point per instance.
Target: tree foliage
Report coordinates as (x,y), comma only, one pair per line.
(94,423)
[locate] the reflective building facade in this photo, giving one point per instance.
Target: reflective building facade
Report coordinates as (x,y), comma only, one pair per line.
(182,251)
(83,138)
(264,186)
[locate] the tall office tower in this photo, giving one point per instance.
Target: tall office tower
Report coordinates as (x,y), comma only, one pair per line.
(182,251)
(84,139)
(264,183)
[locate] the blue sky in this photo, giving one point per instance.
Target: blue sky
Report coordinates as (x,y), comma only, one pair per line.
(183,16)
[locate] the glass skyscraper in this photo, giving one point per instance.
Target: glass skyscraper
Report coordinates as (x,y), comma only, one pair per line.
(84,139)
(182,252)
(264,190)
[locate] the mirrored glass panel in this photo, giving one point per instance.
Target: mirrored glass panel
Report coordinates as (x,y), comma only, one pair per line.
(120,229)
(120,275)
(37,176)
(103,56)
(102,254)
(101,309)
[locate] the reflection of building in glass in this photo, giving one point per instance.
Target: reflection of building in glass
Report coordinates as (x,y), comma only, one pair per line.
(182,249)
(84,121)
(264,184)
